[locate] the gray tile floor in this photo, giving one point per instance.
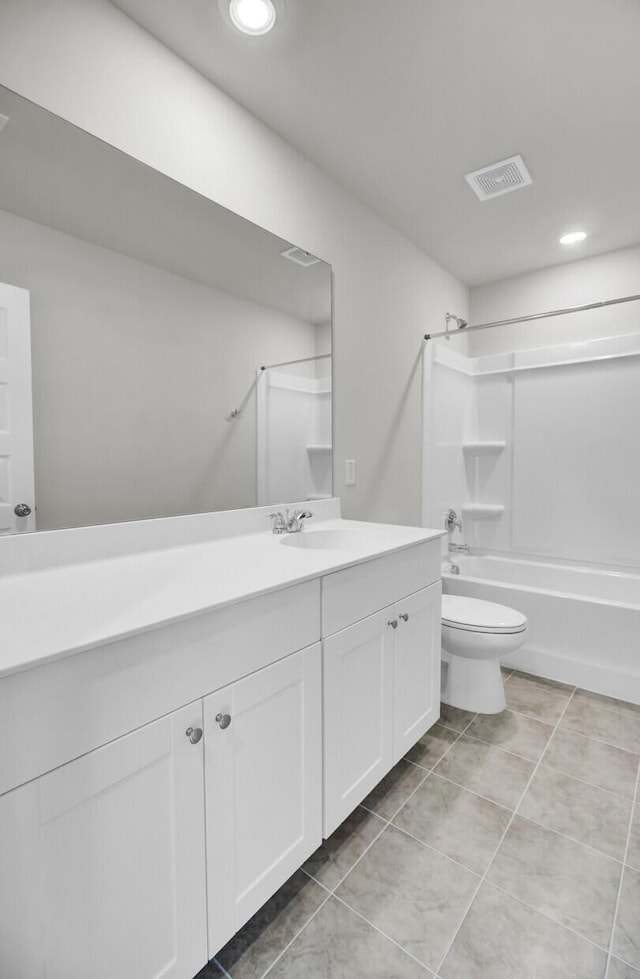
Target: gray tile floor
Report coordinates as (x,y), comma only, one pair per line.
(503,847)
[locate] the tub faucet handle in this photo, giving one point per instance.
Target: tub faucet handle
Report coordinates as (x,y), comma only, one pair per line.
(452,520)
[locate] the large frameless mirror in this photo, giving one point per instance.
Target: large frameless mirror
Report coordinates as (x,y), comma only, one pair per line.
(135,319)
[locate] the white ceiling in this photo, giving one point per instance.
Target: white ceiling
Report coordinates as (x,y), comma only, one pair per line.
(399,99)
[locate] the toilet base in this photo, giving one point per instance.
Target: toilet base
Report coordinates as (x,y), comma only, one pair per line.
(473,684)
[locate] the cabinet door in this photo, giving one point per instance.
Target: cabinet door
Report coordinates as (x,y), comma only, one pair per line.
(103,862)
(357,709)
(263,784)
(416,667)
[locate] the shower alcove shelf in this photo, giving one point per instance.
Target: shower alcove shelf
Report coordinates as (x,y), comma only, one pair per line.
(482,511)
(483,448)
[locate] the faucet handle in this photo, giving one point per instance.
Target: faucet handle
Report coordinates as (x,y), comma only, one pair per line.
(279,523)
(452,520)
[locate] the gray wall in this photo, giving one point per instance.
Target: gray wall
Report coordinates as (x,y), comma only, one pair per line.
(135,372)
(89,63)
(587,280)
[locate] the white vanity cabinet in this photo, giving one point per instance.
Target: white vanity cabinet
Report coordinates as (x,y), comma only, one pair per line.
(263,778)
(381,674)
(156,789)
(103,862)
(104,869)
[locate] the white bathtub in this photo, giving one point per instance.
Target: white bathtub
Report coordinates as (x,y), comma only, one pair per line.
(584,623)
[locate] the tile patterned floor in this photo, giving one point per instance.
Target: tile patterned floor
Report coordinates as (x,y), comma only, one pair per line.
(503,847)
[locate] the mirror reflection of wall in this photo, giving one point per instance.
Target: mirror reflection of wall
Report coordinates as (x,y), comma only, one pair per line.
(151,311)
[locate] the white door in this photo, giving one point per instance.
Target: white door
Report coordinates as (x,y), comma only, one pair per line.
(16,412)
(263,784)
(416,667)
(358,706)
(103,862)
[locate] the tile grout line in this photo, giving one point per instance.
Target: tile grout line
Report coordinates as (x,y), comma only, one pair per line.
(427,771)
(388,822)
(592,785)
(384,934)
(543,914)
(506,830)
(590,737)
(447,778)
(375,839)
(529,819)
(426,846)
(624,867)
(297,935)
(222,968)
(510,751)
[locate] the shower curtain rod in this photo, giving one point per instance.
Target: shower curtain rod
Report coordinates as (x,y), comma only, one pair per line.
(533,316)
(286,363)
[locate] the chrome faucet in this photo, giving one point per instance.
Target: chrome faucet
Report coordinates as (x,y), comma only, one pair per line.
(458,548)
(285,524)
(452,520)
(295,523)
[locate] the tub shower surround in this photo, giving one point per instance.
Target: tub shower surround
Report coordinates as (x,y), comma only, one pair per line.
(539,452)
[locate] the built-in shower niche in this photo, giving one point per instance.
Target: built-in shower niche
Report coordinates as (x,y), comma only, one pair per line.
(481,459)
(486,451)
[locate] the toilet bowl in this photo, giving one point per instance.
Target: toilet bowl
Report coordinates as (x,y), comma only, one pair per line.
(475,635)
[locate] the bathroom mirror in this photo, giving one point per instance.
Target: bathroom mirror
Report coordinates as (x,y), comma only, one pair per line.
(150,311)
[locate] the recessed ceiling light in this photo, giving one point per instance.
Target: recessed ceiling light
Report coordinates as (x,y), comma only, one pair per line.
(252,16)
(573,237)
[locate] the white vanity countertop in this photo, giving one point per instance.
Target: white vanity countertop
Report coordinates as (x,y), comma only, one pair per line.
(45,615)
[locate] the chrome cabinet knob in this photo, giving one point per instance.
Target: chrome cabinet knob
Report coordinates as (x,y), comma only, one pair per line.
(194,734)
(404,616)
(223,720)
(393,623)
(22,510)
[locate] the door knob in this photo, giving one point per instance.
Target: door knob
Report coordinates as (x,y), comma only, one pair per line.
(22,510)
(393,623)
(404,616)
(223,720)
(194,734)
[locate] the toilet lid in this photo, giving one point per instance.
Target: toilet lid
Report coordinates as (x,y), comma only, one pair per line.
(476,615)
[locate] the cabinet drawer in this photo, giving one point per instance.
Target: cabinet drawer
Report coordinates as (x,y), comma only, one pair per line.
(352,594)
(79,703)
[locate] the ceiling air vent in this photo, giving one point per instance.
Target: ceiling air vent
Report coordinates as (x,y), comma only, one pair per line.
(499,178)
(299,256)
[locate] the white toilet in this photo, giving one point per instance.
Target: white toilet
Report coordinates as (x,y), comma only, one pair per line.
(475,635)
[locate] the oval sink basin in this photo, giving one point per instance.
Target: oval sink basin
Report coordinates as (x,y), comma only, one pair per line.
(328,539)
